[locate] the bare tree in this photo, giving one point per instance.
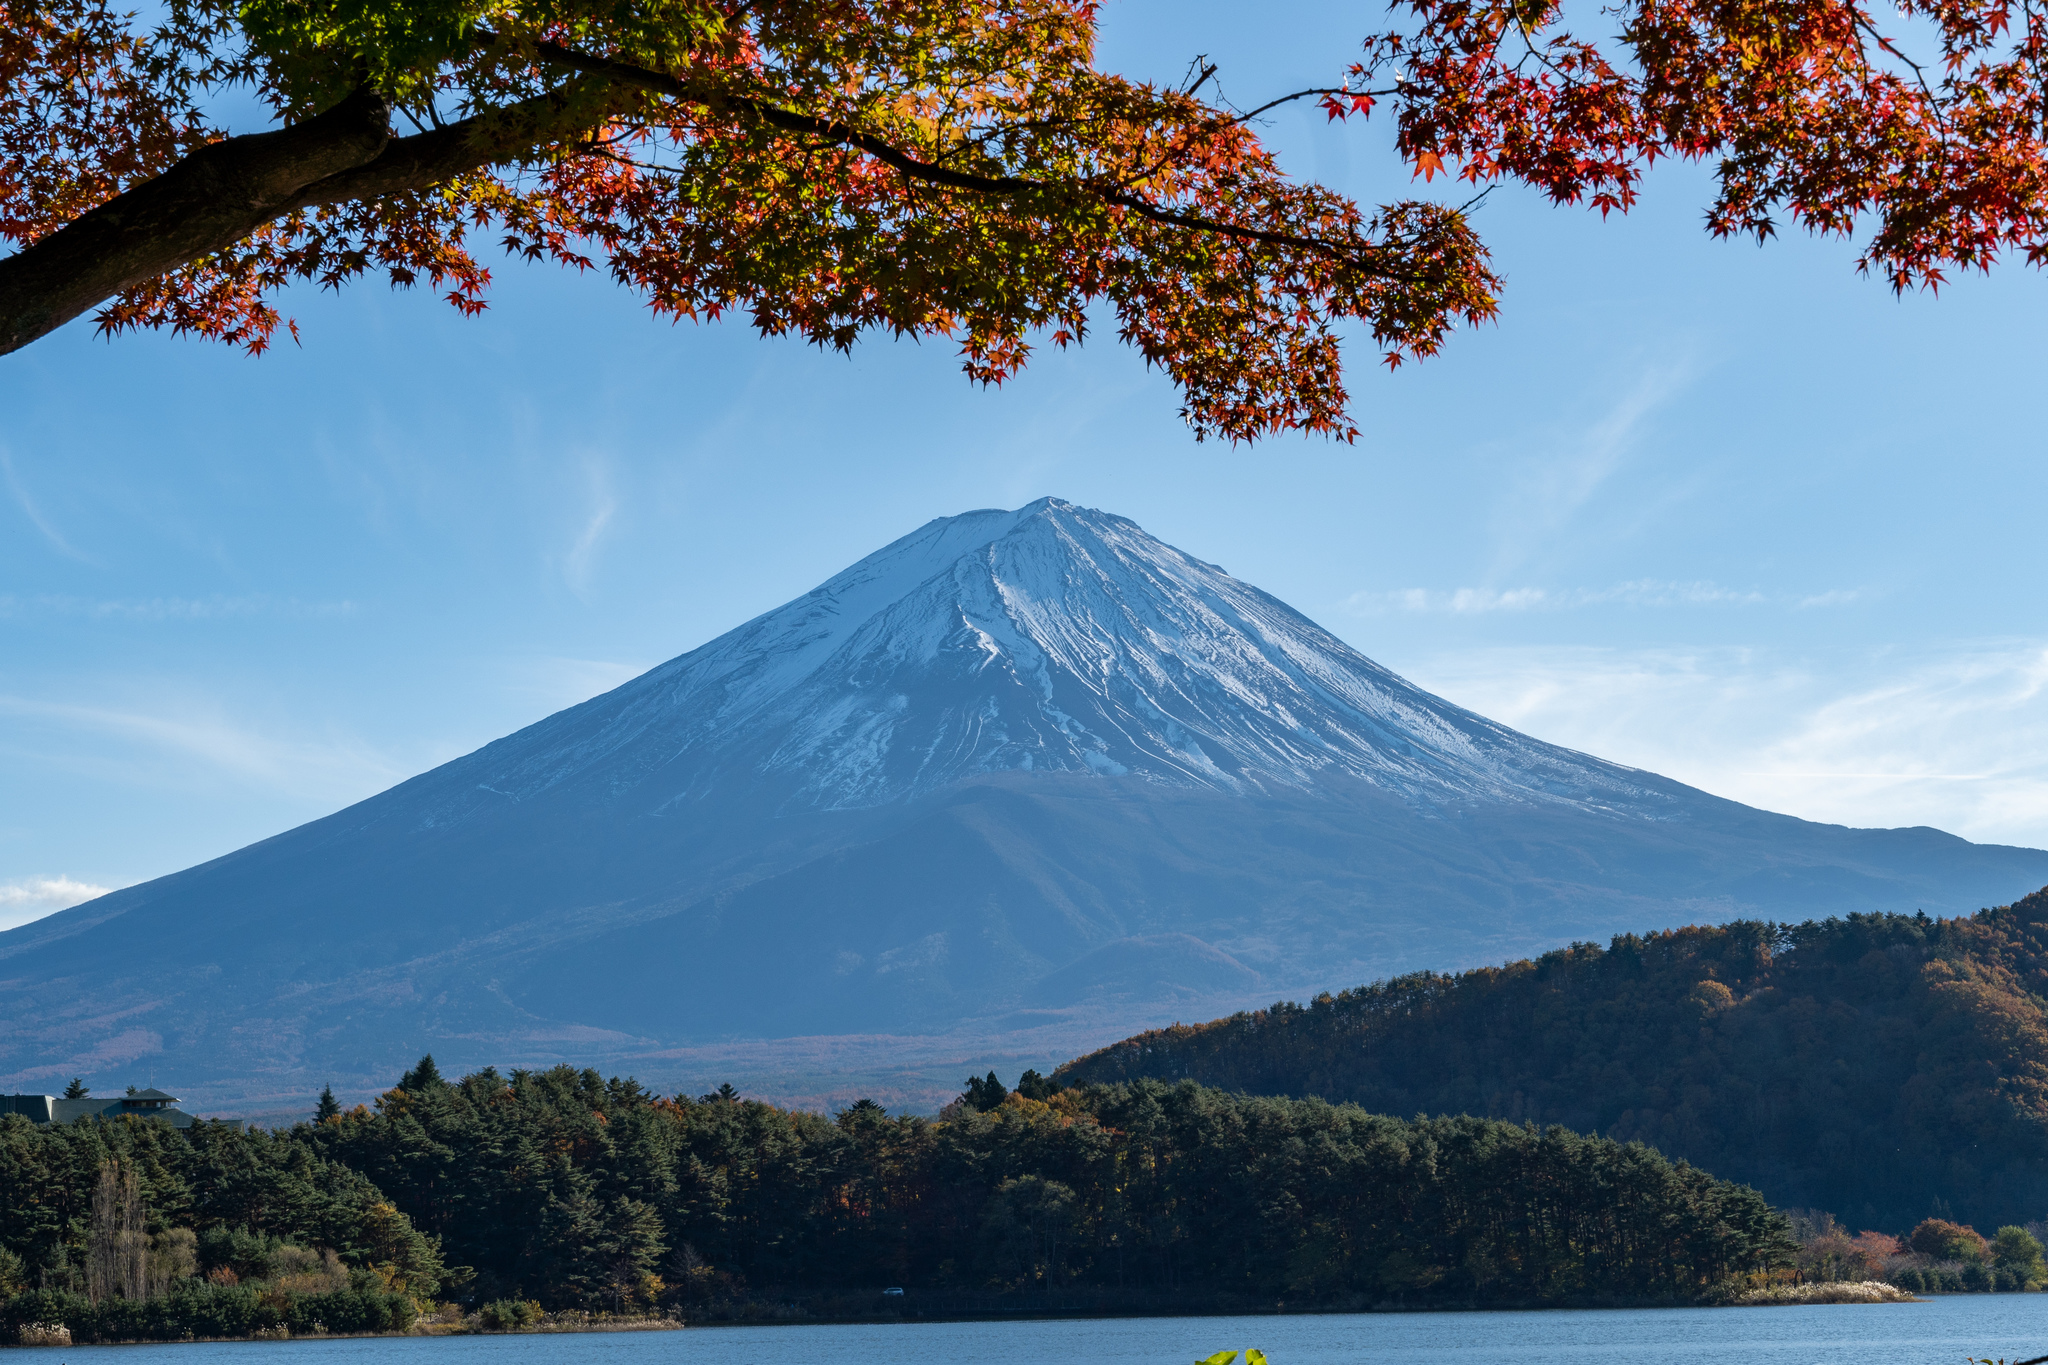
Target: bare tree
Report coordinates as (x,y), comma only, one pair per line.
(118,1261)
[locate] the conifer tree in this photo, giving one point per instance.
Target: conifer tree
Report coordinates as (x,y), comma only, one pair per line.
(422,1077)
(986,1093)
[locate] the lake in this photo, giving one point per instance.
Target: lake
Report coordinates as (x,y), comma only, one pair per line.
(1942,1331)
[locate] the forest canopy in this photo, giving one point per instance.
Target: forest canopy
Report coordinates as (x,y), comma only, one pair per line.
(573,1192)
(1885,1068)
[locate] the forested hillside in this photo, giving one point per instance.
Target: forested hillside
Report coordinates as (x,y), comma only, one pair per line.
(575,1192)
(1883,1067)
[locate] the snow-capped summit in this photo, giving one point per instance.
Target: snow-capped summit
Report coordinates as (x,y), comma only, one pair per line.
(1011,787)
(1053,638)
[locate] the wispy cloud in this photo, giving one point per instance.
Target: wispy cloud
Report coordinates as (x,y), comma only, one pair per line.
(34,897)
(314,769)
(557,682)
(215,608)
(581,559)
(1641,592)
(31,509)
(1957,740)
(1563,480)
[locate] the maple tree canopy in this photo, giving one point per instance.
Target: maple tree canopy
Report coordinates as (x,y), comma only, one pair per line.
(958,167)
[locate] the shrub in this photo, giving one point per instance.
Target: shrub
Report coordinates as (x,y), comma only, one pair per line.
(211,1310)
(1838,1291)
(45,1308)
(2018,1253)
(343,1311)
(507,1315)
(1946,1241)
(248,1255)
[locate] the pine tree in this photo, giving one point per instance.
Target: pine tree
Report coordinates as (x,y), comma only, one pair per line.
(77,1090)
(423,1076)
(1033,1086)
(985,1094)
(328,1108)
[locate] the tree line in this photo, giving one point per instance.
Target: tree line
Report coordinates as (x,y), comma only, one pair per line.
(1887,1068)
(563,1190)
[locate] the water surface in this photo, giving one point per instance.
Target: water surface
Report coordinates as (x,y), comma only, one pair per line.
(1943,1331)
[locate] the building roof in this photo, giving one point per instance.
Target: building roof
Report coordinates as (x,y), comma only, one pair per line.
(143,1104)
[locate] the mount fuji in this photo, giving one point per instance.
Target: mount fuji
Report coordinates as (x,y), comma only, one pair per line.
(1018,784)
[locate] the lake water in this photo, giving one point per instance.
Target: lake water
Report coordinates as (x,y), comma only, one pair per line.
(1943,1331)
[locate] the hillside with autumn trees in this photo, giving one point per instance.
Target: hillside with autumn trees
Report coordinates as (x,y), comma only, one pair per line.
(1885,1068)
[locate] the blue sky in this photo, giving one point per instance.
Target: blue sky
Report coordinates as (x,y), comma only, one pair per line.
(1730,513)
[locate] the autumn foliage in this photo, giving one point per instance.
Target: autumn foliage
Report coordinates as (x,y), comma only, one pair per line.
(828,169)
(960,168)
(1816,111)
(1879,1067)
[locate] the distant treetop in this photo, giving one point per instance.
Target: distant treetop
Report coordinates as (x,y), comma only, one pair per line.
(328,1107)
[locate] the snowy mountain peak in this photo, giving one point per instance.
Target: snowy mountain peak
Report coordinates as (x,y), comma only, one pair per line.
(1049,638)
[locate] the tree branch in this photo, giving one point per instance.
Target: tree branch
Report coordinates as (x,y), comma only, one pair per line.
(440,154)
(845,135)
(209,200)
(219,194)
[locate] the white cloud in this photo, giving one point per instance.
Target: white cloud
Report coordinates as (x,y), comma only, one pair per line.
(34,897)
(1957,740)
(1641,592)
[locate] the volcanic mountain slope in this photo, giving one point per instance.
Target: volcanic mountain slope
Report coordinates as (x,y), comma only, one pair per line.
(1023,774)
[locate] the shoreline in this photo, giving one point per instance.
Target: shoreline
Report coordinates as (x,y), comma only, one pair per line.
(797,1314)
(627,1325)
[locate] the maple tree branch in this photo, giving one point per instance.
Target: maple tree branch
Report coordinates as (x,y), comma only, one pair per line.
(1919,73)
(218,194)
(788,120)
(1250,114)
(845,135)
(207,201)
(427,159)
(222,192)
